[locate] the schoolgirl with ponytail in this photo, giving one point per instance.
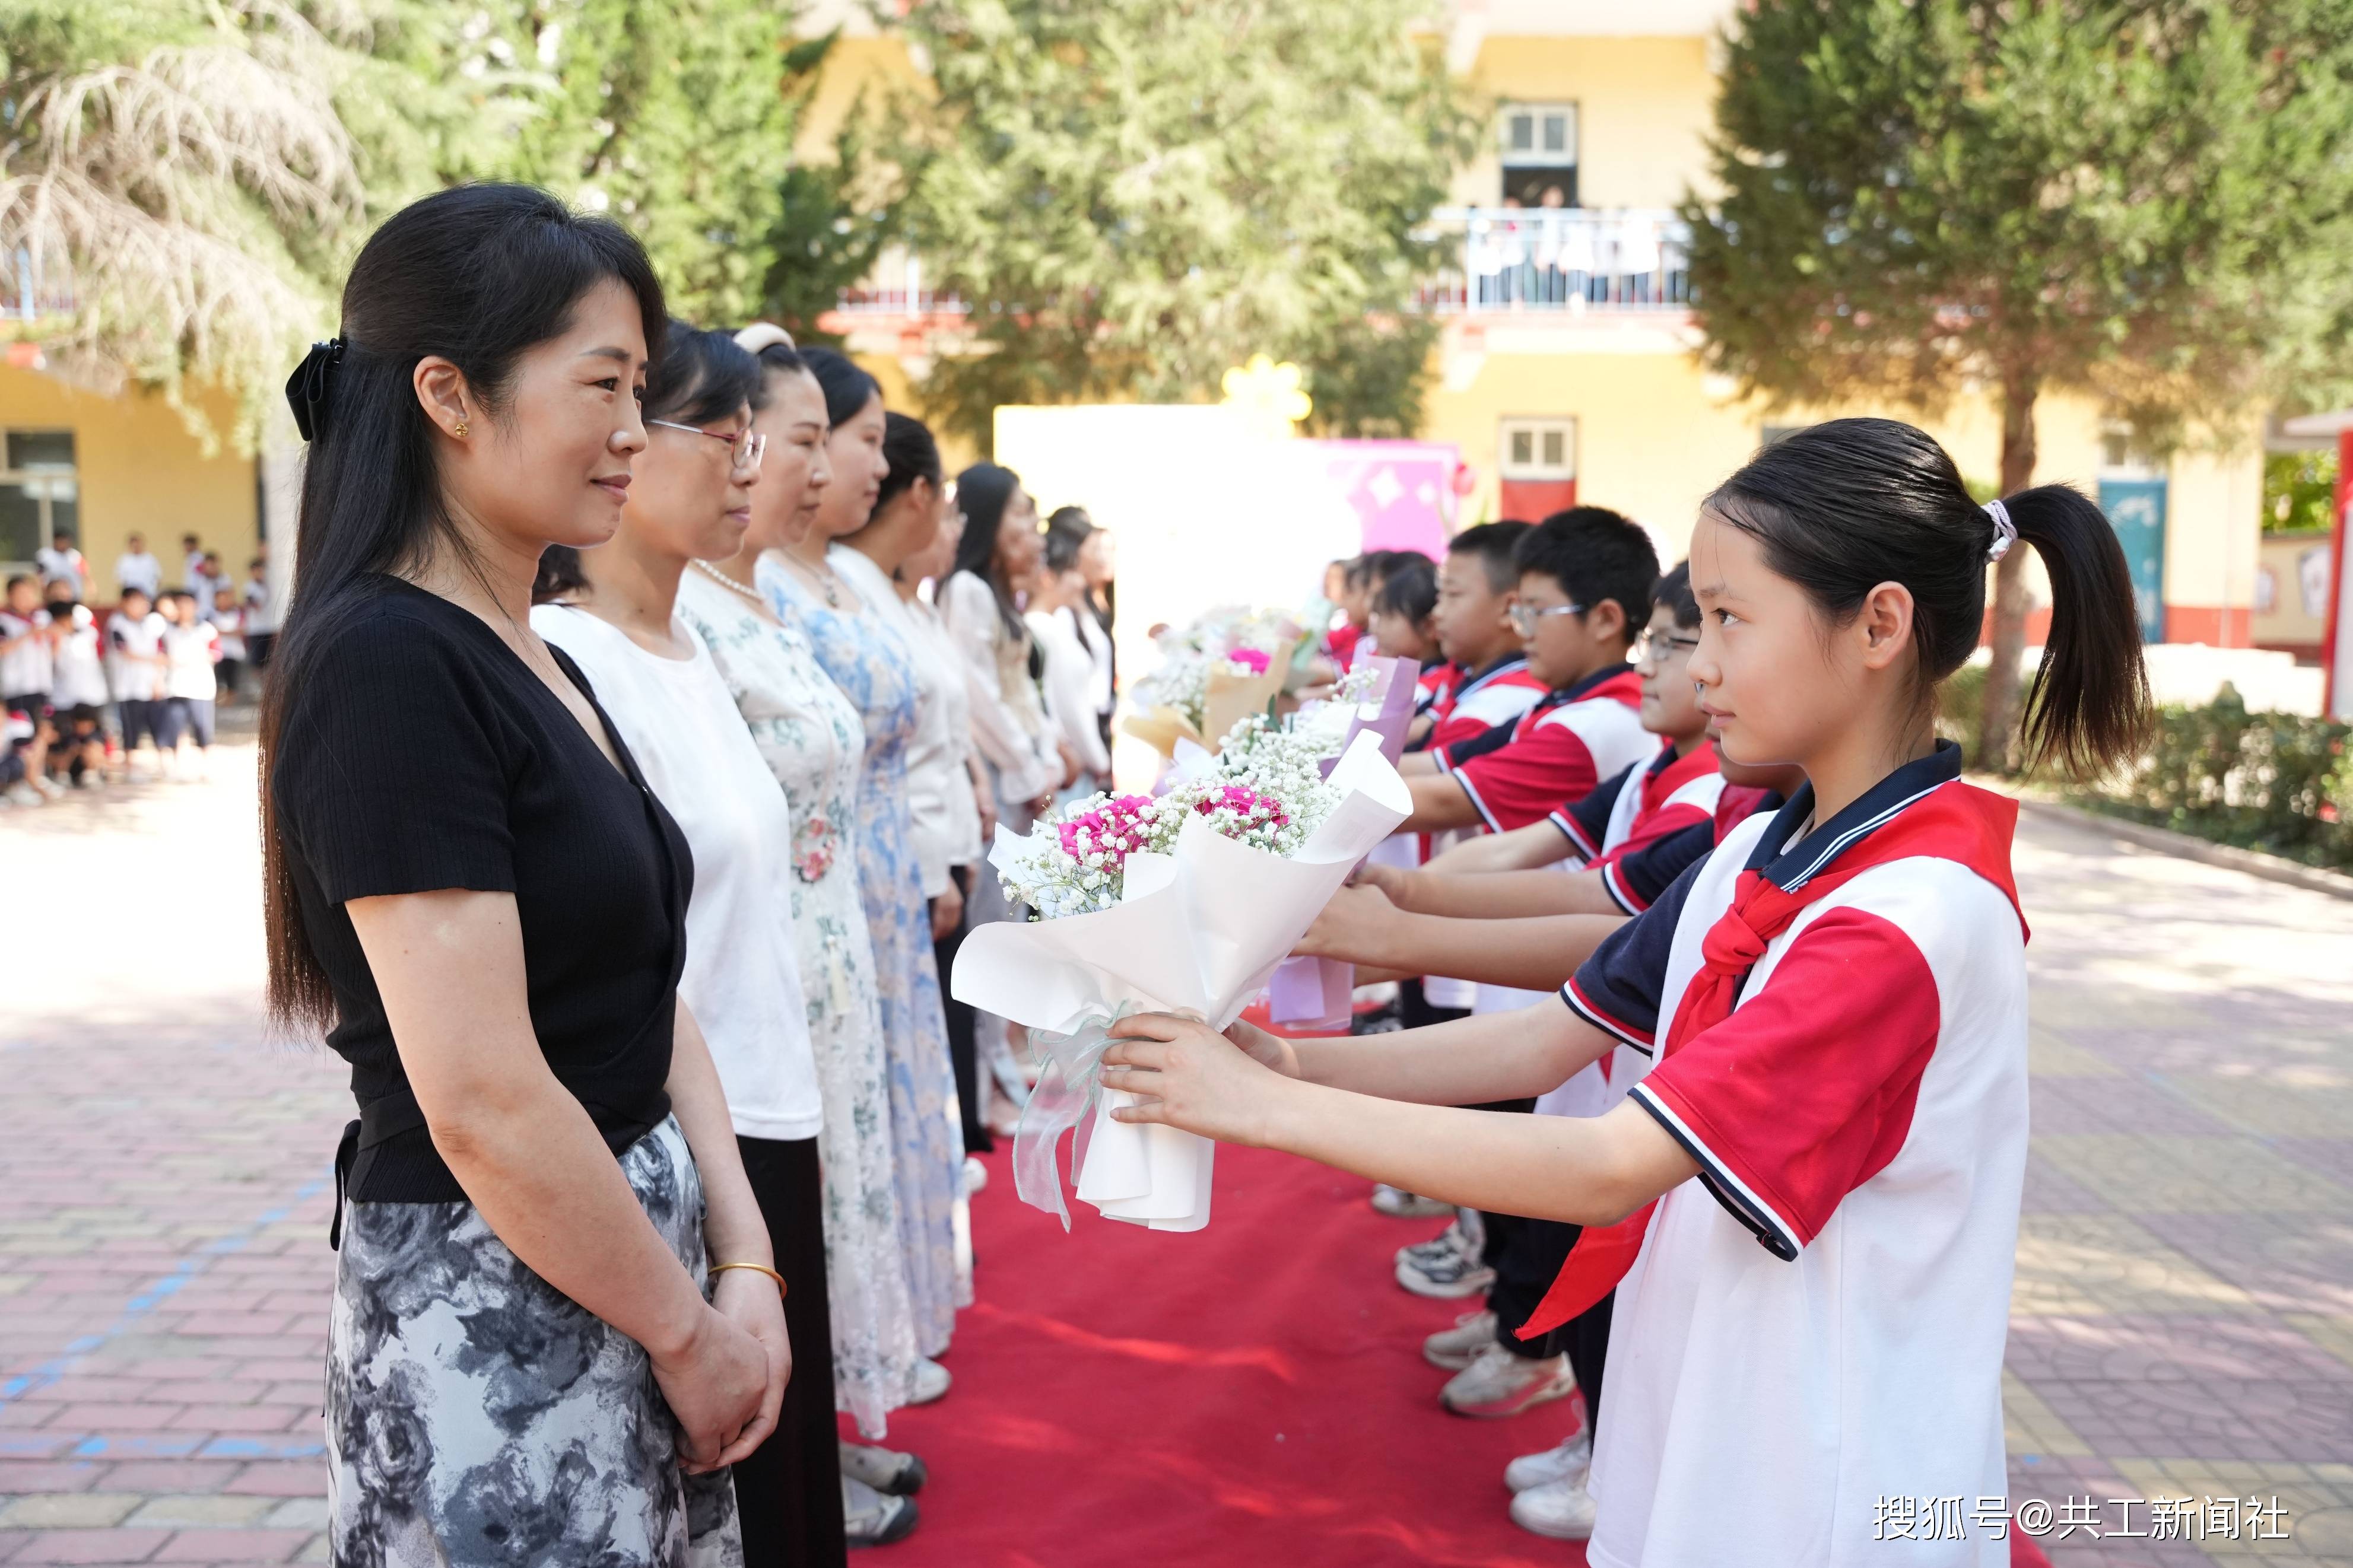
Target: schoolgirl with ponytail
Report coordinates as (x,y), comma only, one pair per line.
(1808,1204)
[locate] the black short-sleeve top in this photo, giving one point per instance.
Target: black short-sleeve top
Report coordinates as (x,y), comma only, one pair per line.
(422,754)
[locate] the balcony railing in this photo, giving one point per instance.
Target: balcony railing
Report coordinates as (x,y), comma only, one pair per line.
(1561,260)
(1536,261)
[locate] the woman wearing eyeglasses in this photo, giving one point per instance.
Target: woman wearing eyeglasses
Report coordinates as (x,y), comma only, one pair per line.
(868,660)
(614,610)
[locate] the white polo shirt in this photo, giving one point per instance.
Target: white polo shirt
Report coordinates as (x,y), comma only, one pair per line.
(1816,1322)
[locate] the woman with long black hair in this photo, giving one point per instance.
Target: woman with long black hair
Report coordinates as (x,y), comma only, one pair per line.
(471,890)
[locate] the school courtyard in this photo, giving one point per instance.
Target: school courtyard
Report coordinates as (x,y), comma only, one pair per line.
(2182,1326)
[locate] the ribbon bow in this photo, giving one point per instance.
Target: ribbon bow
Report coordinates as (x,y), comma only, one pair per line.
(1065,1096)
(308,390)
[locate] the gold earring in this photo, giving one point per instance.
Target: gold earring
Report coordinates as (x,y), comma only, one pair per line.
(460,431)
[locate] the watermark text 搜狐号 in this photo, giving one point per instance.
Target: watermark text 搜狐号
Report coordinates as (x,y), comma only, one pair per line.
(2082,1518)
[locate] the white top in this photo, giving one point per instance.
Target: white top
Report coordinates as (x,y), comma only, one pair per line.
(62,565)
(134,648)
(1816,1322)
(1099,689)
(1008,722)
(25,669)
(231,626)
(943,823)
(261,607)
(1069,680)
(80,662)
(139,569)
(741,980)
(192,566)
(192,650)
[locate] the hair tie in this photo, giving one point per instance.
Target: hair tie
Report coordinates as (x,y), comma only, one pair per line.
(2005,532)
(763,335)
(310,388)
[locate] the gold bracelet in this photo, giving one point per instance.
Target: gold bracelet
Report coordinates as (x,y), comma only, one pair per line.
(760,1267)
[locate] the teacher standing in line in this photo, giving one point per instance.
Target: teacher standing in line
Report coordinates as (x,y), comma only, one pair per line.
(556,1317)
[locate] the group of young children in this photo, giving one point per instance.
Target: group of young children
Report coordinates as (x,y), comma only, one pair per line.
(82,687)
(1693,894)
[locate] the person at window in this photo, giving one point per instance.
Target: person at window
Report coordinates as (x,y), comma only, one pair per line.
(556,1319)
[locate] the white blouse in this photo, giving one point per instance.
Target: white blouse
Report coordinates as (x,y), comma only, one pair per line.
(943,819)
(1070,675)
(742,977)
(1008,722)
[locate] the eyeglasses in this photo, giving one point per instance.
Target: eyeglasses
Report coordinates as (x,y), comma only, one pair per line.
(1652,648)
(1526,618)
(744,447)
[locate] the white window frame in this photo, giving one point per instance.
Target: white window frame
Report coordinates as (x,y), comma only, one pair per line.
(1538,469)
(72,474)
(1536,156)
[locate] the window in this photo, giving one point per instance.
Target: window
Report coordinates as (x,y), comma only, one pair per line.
(1539,449)
(38,492)
(1539,154)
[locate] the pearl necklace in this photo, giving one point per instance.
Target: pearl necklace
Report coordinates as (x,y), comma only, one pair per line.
(724,581)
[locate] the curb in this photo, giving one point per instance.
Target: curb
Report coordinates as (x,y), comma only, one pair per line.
(2165,841)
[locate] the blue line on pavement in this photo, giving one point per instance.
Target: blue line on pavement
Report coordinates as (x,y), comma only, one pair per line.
(154,1296)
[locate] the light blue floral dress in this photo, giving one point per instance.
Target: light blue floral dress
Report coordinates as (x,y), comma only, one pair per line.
(871,663)
(814,740)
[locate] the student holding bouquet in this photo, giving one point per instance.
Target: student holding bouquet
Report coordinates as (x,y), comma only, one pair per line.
(1812,1197)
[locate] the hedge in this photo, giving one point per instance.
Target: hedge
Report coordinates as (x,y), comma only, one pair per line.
(2278,783)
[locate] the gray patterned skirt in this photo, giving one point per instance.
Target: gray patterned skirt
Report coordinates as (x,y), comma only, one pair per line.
(475,1416)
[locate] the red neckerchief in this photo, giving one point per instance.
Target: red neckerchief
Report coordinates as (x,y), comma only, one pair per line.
(1952,822)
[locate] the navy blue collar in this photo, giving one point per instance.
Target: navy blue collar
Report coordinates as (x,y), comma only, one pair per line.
(1788,870)
(1503,666)
(1560,695)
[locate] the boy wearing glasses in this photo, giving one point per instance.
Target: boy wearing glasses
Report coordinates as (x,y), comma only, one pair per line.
(1585,580)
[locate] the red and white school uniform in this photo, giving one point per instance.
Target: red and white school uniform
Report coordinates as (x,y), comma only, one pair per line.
(1472,706)
(1639,809)
(1556,752)
(1816,1321)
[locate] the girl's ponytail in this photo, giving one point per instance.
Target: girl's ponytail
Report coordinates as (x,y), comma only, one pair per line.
(2089,704)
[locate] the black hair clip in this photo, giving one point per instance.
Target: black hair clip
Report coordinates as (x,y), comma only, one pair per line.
(309,389)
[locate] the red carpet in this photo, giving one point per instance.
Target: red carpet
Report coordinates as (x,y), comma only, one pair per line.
(1252,1394)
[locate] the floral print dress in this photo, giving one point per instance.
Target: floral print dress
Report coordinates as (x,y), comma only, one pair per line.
(871,663)
(815,742)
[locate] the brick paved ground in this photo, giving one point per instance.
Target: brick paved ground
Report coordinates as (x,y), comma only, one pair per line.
(2183,1322)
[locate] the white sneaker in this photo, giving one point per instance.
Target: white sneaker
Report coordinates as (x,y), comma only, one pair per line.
(1447,1276)
(47,786)
(872,1519)
(1398,1204)
(887,1470)
(1565,1461)
(1456,1348)
(1562,1509)
(25,795)
(931,1382)
(976,1174)
(1500,1384)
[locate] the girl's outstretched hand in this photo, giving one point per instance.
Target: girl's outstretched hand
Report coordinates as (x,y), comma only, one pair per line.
(1189,1076)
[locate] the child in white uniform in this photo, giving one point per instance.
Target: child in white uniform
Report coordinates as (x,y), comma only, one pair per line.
(1809,1205)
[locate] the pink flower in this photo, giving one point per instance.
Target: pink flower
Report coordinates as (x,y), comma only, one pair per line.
(1252,659)
(1250,808)
(1113,828)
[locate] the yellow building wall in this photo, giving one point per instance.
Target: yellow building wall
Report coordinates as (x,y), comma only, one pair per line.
(1655,435)
(141,472)
(1643,108)
(875,68)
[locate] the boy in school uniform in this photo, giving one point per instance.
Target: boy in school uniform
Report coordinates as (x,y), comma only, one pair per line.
(134,643)
(27,673)
(78,697)
(191,647)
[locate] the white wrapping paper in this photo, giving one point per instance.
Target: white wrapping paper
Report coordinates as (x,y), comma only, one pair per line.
(1197,932)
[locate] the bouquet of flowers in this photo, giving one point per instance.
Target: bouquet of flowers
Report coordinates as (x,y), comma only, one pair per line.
(1183,902)
(1231,662)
